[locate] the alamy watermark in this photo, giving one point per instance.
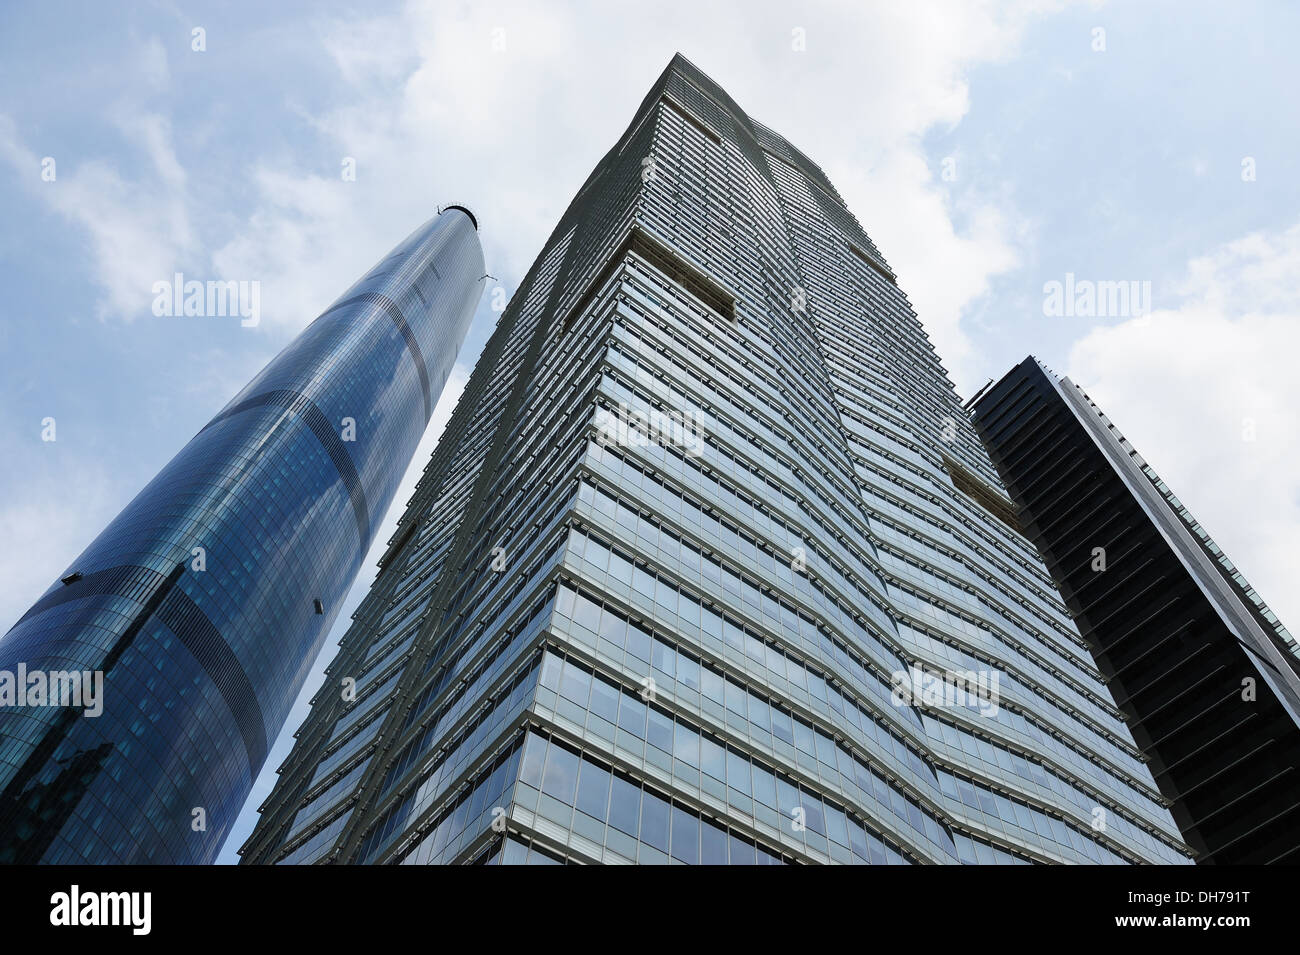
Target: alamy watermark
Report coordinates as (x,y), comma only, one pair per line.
(176,297)
(80,689)
(969,689)
(75,907)
(1085,298)
(634,428)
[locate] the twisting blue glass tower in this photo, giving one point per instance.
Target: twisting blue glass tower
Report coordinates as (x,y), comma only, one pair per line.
(205,602)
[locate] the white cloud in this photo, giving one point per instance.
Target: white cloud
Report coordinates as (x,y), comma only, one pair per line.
(153,63)
(139,230)
(443,116)
(305,244)
(1188,385)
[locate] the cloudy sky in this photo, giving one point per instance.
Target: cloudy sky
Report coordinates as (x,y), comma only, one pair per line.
(988,149)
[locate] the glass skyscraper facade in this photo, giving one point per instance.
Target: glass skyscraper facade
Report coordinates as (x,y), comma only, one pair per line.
(702,550)
(205,602)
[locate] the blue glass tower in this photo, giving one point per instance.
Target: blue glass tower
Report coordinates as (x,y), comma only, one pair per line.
(205,602)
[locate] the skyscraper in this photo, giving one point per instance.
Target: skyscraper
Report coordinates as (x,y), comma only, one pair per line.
(705,532)
(1206,674)
(204,603)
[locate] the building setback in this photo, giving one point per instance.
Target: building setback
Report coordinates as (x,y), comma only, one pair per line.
(1204,672)
(706,504)
(205,602)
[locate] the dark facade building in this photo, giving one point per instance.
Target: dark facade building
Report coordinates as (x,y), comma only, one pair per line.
(702,551)
(204,603)
(1204,672)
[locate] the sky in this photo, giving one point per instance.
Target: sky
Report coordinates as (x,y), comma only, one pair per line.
(990,150)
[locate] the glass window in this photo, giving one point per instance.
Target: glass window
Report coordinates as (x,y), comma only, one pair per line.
(738,768)
(711,685)
(530,770)
(742,852)
(604,700)
(561,776)
(812,806)
(551,667)
(737,699)
(686,745)
(575,683)
(686,837)
(654,821)
(713,759)
(613,628)
(788,796)
(665,658)
(643,582)
(660,733)
(713,844)
(764,787)
(631,715)
(688,672)
(586,613)
(638,643)
(624,806)
(593,790)
(803,737)
(516,853)
(782,726)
